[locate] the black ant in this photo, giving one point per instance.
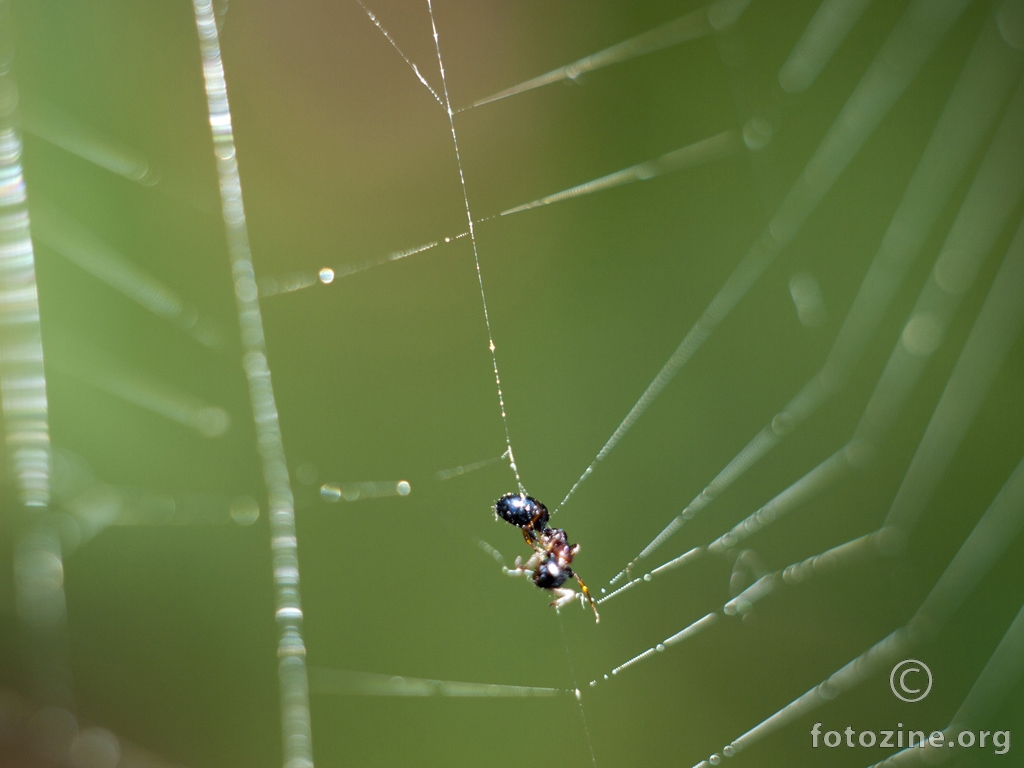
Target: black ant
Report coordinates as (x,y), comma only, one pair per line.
(548,566)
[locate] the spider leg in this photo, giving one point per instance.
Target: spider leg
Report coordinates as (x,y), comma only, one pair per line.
(586,594)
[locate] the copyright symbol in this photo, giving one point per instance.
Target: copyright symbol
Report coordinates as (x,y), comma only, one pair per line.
(906,680)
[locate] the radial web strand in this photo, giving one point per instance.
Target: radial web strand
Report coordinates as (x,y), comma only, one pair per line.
(707,150)
(366,489)
(462,469)
(994,193)
(38,563)
(996,329)
(713,148)
(684,634)
(980,91)
(828,28)
(999,677)
(699,23)
(50,124)
(915,37)
(347,683)
(89,365)
(291,649)
(86,251)
(411,65)
(272,286)
(989,539)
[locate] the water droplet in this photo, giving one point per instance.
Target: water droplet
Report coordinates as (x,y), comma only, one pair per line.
(922,335)
(245,510)
(95,748)
(212,421)
(757,133)
(783,423)
(326,275)
(306,473)
(1011,25)
(330,492)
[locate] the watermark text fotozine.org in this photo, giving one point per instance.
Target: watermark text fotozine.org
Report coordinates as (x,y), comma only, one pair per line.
(997,741)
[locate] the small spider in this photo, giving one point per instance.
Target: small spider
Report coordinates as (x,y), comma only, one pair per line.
(552,552)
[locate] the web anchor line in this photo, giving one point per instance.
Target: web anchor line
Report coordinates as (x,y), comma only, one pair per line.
(476,253)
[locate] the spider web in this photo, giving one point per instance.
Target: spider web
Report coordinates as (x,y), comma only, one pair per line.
(346,162)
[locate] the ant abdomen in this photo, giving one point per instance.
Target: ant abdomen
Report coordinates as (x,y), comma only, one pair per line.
(522,511)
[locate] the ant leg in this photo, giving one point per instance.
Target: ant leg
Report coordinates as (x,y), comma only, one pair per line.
(524,569)
(538,516)
(586,594)
(563,596)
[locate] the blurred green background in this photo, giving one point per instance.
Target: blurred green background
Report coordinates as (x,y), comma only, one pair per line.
(386,375)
